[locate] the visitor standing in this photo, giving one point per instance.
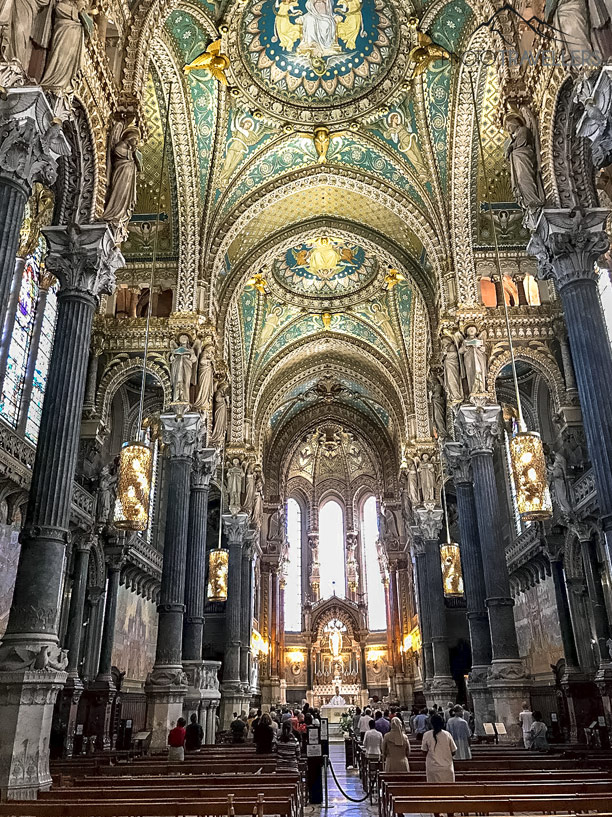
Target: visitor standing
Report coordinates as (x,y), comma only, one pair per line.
(238,728)
(263,735)
(459,729)
(420,725)
(176,741)
(440,748)
(526,721)
(287,750)
(396,748)
(382,724)
(539,741)
(194,735)
(364,723)
(372,742)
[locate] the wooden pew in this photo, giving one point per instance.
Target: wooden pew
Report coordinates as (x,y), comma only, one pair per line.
(502,805)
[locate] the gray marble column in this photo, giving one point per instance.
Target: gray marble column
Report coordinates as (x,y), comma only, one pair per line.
(567,244)
(479,429)
(232,697)
(84,259)
(597,602)
(458,462)
(246,611)
(429,522)
(166,685)
(424,612)
(565,622)
(31,142)
(93,638)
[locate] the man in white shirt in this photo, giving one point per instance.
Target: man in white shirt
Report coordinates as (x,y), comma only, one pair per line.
(526,722)
(364,723)
(372,742)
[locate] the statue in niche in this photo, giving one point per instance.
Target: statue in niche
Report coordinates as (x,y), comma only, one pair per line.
(125,164)
(257,515)
(221,415)
(524,168)
(274,526)
(412,483)
(234,482)
(71,22)
(452,368)
(249,491)
(389,523)
(107,492)
(437,402)
(24,22)
(559,483)
(475,359)
(182,362)
(427,478)
(205,380)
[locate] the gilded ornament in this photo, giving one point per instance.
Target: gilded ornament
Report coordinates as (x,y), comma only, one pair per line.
(212,61)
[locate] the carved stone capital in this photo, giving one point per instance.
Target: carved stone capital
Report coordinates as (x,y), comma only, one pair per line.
(235,527)
(458,462)
(203,466)
(567,243)
(418,545)
(83,258)
(429,522)
(479,427)
(180,434)
(31,140)
(595,124)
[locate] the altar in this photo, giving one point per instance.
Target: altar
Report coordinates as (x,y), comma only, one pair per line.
(333,713)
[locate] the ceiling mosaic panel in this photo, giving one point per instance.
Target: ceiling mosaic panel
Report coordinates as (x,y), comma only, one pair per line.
(245,134)
(325,266)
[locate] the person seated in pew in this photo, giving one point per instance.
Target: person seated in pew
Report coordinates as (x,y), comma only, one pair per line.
(539,741)
(440,748)
(287,750)
(396,748)
(194,735)
(176,741)
(458,727)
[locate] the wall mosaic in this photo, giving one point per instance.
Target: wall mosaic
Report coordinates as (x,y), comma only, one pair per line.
(135,635)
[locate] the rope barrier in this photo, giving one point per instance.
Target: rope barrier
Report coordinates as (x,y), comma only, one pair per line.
(348,797)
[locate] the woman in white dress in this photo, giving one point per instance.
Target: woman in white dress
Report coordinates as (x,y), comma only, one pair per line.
(440,748)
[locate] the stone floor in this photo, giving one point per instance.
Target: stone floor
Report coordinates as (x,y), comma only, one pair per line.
(349,780)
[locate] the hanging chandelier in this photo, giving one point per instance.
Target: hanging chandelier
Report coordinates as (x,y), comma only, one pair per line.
(450,557)
(526,451)
(136,457)
(218,559)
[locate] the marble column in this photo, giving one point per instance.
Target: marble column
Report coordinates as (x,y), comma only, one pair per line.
(93,637)
(68,700)
(166,685)
(31,142)
(31,667)
(567,244)
(396,638)
(315,569)
(458,462)
(210,699)
(424,611)
(235,527)
(590,565)
(429,522)
(246,611)
(479,428)
(203,466)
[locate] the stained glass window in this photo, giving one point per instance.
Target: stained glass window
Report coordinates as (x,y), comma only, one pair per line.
(377,614)
(41,370)
(21,339)
(293,590)
(331,550)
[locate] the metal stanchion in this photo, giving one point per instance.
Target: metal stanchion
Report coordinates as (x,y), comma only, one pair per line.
(325,762)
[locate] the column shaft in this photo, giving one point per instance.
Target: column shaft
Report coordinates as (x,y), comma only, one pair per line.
(437,609)
(195,590)
(596,596)
(110,616)
(77,604)
(245,618)
(421,575)
(13,198)
(565,621)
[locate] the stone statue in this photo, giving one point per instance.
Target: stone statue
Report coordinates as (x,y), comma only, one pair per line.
(234,480)
(25,22)
(221,417)
(126,163)
(107,492)
(257,515)
(438,405)
(559,483)
(70,24)
(274,526)
(475,359)
(390,524)
(249,490)
(609,646)
(524,170)
(412,483)
(452,369)
(205,381)
(182,361)
(427,478)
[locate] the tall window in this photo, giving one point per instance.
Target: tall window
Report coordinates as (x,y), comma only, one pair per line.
(293,590)
(377,614)
(331,550)
(41,370)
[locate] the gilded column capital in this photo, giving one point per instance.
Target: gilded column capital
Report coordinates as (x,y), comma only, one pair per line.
(567,243)
(180,434)
(458,463)
(429,522)
(479,427)
(235,527)
(84,258)
(31,139)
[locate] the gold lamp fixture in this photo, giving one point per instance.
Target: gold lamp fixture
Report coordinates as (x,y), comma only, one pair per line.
(218,559)
(526,451)
(136,457)
(450,557)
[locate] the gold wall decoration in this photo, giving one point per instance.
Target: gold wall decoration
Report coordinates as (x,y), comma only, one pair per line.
(452,576)
(218,563)
(134,488)
(529,471)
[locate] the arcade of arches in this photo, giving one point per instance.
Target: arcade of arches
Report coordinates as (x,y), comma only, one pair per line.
(285,244)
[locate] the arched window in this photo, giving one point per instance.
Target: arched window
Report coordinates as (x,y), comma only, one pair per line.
(293,575)
(41,369)
(331,550)
(377,614)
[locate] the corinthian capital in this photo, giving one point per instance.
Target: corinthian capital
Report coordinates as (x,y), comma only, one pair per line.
(203,466)
(429,522)
(458,462)
(83,258)
(235,527)
(180,434)
(31,140)
(567,243)
(479,427)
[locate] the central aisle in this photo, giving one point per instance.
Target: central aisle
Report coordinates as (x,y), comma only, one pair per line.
(350,782)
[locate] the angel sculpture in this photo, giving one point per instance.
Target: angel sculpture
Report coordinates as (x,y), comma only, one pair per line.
(473,352)
(213,61)
(425,53)
(522,156)
(125,162)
